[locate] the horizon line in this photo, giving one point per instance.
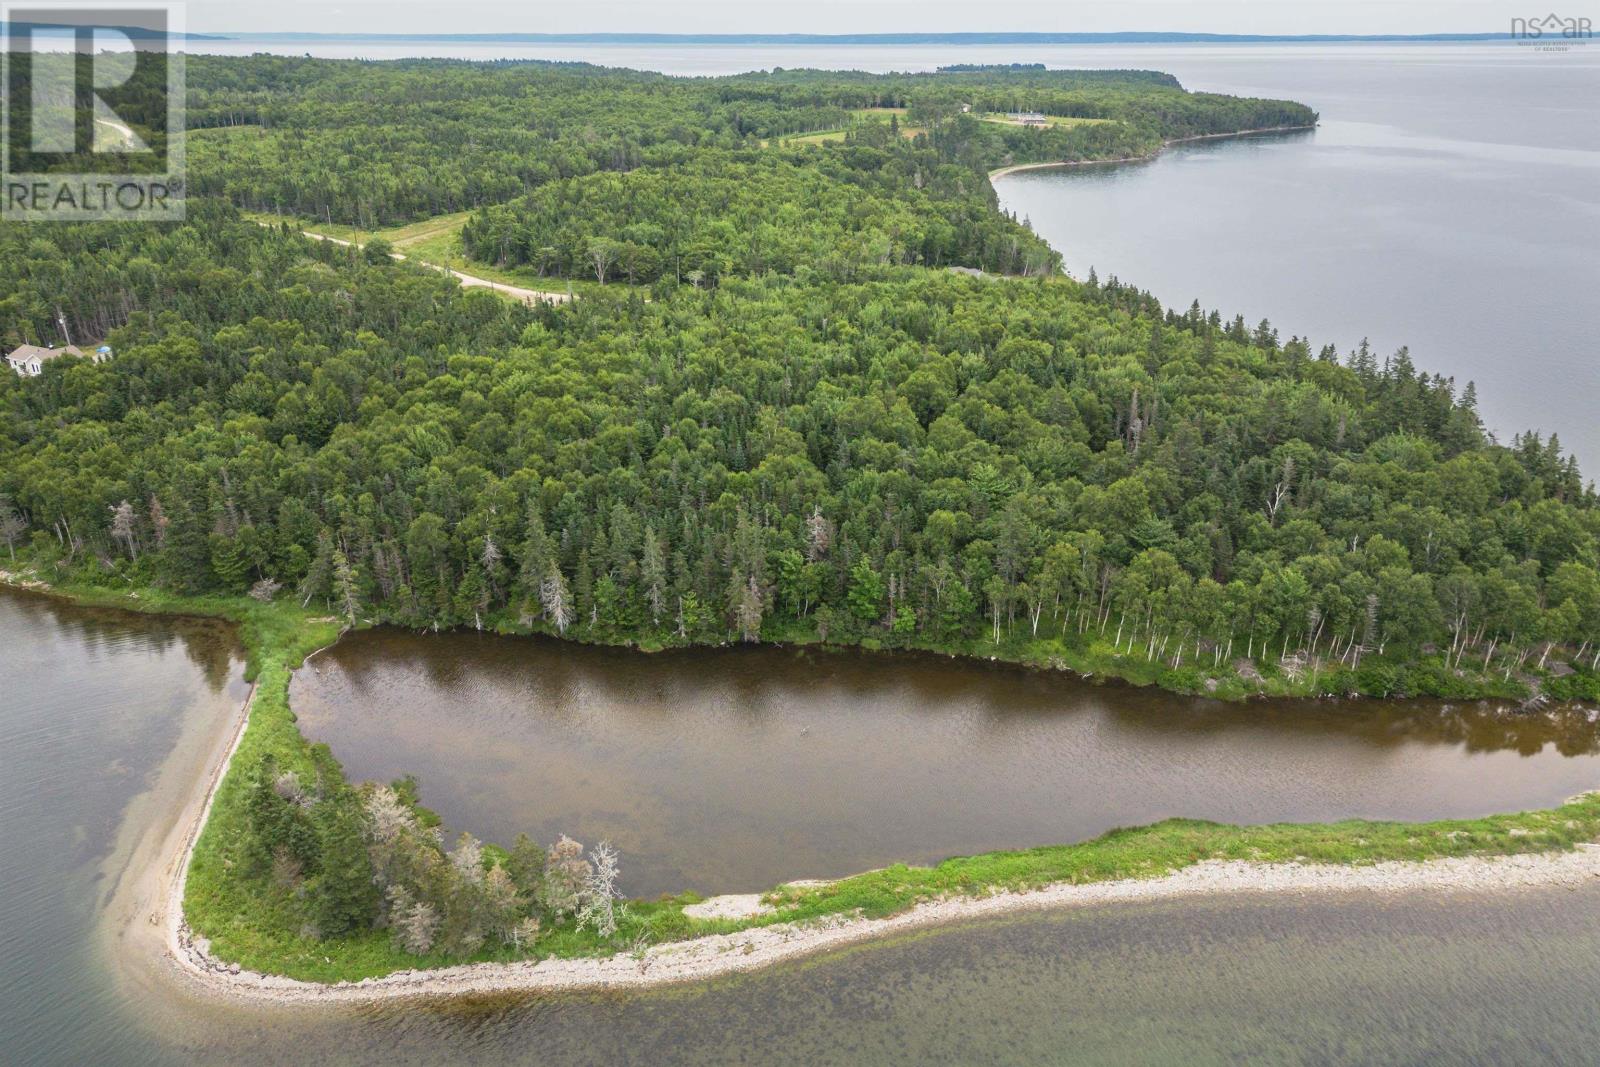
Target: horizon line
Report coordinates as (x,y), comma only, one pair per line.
(954,37)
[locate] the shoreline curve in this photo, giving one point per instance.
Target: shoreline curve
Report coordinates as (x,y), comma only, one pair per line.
(719,955)
(185,956)
(1148,156)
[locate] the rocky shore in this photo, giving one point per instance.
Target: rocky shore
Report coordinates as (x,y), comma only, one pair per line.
(722,954)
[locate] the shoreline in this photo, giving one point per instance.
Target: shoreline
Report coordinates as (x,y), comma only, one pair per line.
(1115,672)
(186,957)
(1148,156)
(720,955)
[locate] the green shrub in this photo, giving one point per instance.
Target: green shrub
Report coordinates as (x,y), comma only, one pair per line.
(1378,679)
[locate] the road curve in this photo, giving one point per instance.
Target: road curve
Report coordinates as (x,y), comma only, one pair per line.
(468,281)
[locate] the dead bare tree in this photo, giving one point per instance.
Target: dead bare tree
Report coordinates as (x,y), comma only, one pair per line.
(122,528)
(601,896)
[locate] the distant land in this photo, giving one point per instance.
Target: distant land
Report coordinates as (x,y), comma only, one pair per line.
(1131,37)
(134,33)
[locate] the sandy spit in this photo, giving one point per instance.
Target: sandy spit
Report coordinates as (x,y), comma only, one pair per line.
(724,954)
(154,902)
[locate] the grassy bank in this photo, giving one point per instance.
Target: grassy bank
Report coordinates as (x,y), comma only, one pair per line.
(248,922)
(282,633)
(1156,850)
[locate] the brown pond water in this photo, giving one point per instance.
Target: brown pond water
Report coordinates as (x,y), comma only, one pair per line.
(105,721)
(736,769)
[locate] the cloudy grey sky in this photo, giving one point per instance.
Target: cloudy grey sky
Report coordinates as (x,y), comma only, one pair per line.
(868,16)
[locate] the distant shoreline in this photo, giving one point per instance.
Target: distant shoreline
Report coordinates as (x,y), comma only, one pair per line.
(961,39)
(1148,156)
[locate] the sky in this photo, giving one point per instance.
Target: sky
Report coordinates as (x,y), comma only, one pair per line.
(871,16)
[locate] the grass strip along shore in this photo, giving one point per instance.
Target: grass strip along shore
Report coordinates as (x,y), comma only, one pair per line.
(238,921)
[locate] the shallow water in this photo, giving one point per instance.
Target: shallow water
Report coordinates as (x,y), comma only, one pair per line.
(92,704)
(736,769)
(1445,978)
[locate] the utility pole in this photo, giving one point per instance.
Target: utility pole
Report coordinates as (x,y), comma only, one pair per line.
(61,317)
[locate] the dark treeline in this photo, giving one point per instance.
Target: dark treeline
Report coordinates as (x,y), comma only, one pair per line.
(920,459)
(805,431)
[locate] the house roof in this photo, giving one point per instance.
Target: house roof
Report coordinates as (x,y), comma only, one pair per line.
(23,353)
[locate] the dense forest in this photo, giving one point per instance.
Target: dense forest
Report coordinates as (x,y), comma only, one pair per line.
(919,459)
(804,430)
(758,212)
(298,137)
(804,427)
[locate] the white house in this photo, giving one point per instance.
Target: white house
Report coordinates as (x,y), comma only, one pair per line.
(29,360)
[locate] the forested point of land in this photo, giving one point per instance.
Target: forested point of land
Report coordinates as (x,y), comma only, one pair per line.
(797,423)
(793,423)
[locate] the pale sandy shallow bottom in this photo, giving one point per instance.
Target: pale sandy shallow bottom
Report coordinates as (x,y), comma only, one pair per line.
(721,954)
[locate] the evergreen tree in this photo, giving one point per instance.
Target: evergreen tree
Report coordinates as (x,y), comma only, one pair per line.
(346,894)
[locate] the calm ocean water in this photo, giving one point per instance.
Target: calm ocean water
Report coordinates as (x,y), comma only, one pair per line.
(1449,201)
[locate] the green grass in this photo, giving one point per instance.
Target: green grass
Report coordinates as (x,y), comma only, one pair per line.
(437,241)
(248,924)
(442,246)
(267,631)
(243,923)
(1153,851)
(862,116)
(403,238)
(1065,122)
(821,137)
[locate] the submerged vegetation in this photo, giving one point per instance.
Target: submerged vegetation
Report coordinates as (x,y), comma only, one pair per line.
(796,424)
